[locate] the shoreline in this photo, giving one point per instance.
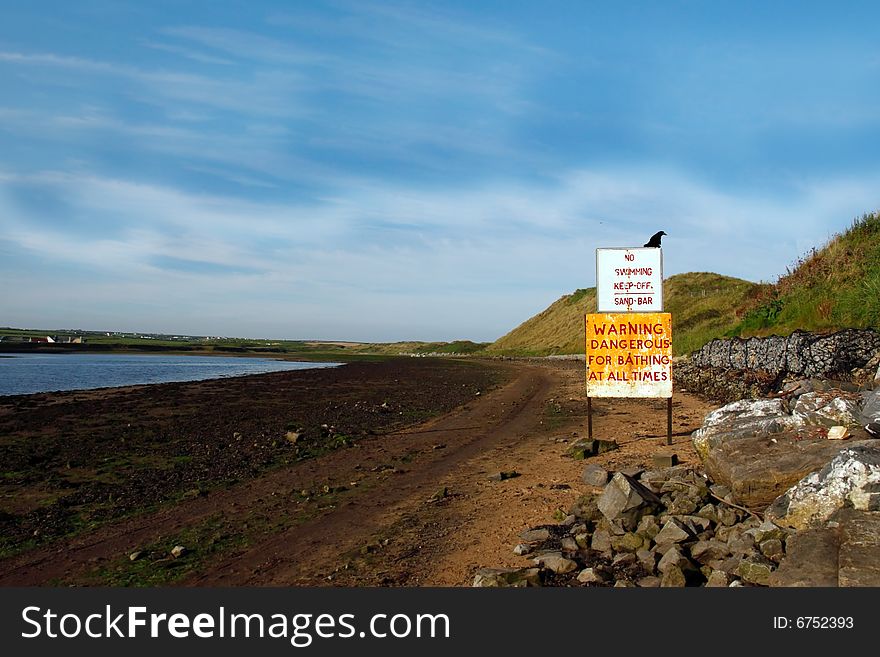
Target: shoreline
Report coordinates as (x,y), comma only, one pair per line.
(77,460)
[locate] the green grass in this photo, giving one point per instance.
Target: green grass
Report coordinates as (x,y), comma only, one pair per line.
(833,287)
(156,567)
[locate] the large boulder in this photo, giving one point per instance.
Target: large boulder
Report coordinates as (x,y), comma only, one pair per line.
(760,448)
(745,418)
(852,478)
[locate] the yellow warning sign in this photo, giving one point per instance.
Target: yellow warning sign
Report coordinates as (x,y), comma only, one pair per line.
(629,355)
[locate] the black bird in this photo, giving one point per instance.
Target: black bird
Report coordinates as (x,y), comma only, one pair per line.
(655,240)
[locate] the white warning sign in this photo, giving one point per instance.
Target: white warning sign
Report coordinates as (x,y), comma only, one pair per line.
(629,280)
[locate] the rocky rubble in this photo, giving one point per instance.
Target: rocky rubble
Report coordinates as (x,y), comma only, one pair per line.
(666,528)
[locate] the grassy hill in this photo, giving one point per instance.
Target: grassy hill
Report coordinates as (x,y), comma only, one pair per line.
(833,287)
(703,306)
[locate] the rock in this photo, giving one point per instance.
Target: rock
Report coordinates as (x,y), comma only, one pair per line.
(757,470)
(623,560)
(522,549)
(582,449)
(852,477)
(594,475)
(682,505)
(629,542)
(718,578)
(673,578)
(178,551)
(721,491)
(623,584)
(744,418)
(507,577)
(694,524)
(755,569)
(838,433)
(603,446)
(773,549)
(587,508)
(648,527)
(134,556)
(823,409)
(592,575)
(711,550)
(674,557)
(845,551)
(741,543)
(601,541)
(292,437)
(439,494)
(870,405)
(726,515)
(649,582)
(648,560)
(672,532)
(635,472)
(503,476)
(811,559)
(873,429)
(569,544)
(555,562)
(626,499)
(583,540)
(767,530)
(535,535)
(664,460)
(859,555)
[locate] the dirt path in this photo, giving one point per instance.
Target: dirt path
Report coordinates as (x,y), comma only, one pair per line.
(372,514)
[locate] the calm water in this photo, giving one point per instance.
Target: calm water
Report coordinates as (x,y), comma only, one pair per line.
(23,374)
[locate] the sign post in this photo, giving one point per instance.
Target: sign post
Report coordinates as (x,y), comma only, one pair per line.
(629,341)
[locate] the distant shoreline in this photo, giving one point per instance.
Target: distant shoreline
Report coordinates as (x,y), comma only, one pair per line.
(183,350)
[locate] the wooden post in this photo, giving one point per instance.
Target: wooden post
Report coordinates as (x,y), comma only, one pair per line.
(669,421)
(590,418)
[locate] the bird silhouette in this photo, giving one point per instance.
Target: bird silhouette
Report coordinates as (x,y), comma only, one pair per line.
(655,240)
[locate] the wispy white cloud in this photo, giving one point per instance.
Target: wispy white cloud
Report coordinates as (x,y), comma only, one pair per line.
(188,53)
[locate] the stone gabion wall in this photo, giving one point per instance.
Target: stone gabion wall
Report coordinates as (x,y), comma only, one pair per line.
(801,353)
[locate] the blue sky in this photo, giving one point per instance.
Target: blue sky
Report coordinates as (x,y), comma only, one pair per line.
(413,170)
